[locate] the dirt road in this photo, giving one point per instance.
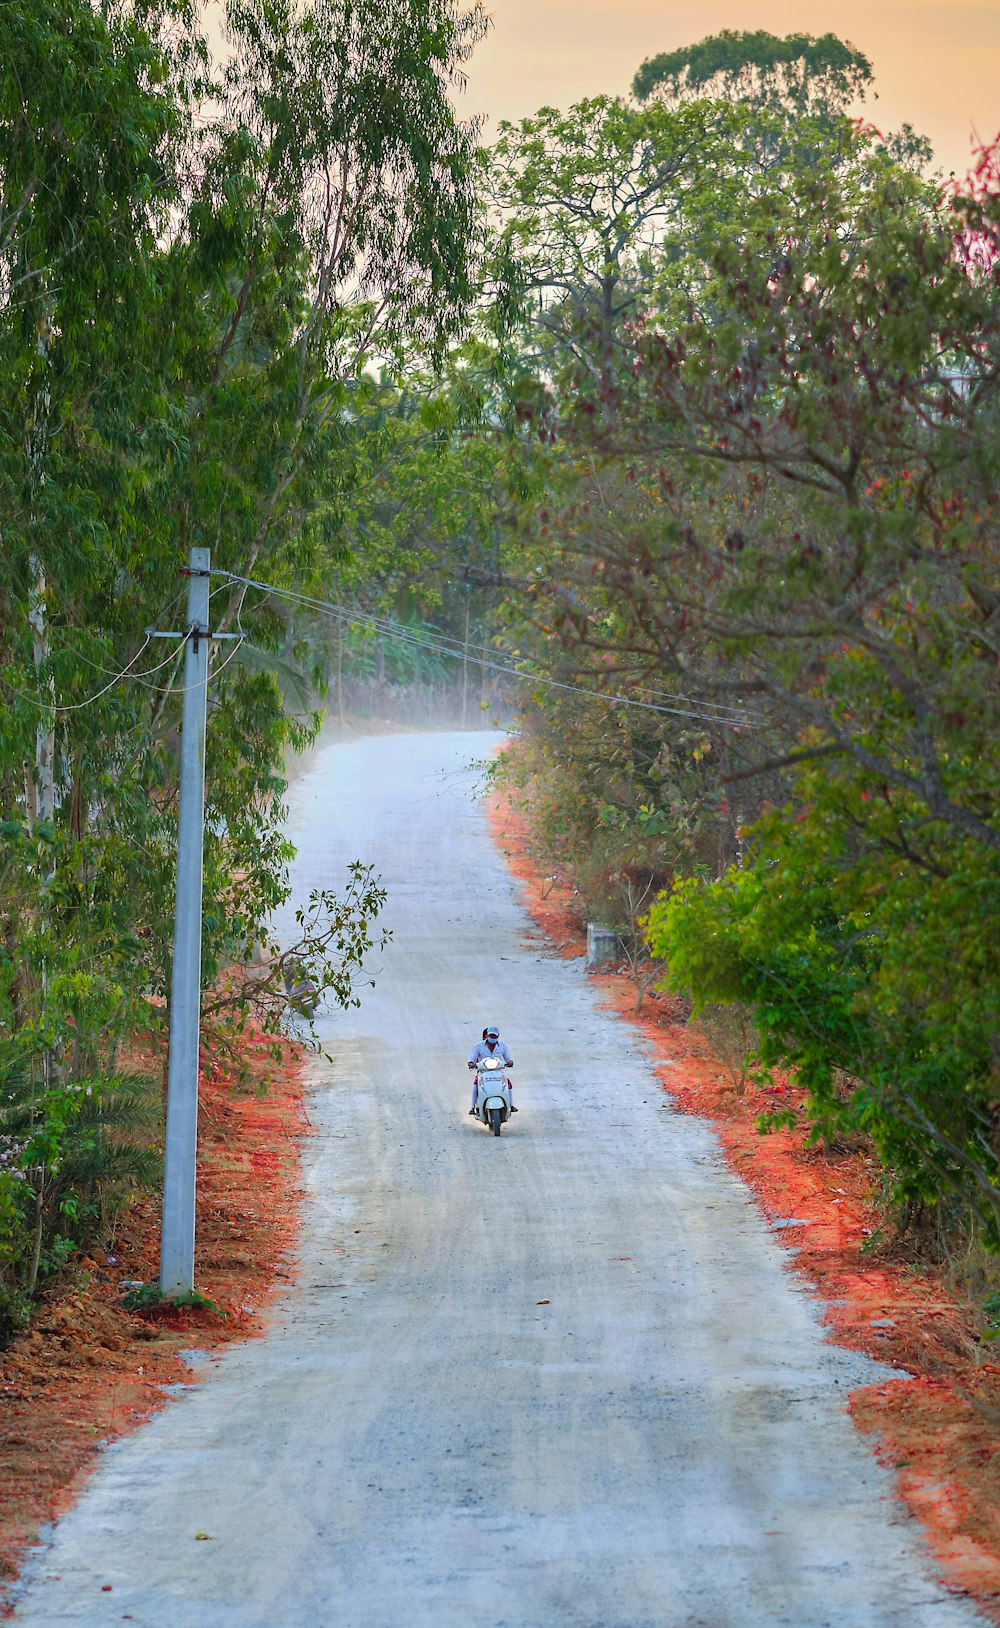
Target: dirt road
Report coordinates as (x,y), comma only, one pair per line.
(559,1379)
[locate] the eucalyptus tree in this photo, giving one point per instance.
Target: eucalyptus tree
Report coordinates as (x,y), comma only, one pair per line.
(586,204)
(342,162)
(798,74)
(194,268)
(438,477)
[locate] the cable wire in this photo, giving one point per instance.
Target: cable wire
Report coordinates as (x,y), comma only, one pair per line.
(75,706)
(125,674)
(455,649)
(133,677)
(172,689)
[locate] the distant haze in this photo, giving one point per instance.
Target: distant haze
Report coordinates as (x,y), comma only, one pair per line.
(936,62)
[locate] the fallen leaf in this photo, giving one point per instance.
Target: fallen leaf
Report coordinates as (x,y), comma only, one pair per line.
(203,1537)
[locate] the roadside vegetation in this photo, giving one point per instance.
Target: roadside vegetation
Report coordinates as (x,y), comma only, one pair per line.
(759,593)
(198,262)
(674,415)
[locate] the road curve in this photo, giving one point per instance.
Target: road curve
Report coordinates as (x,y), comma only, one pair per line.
(559,1379)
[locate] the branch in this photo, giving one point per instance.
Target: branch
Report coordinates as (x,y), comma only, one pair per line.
(791,758)
(233,329)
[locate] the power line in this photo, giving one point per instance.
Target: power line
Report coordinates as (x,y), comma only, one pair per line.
(455,648)
(444,645)
(75,706)
(170,688)
(134,678)
(125,675)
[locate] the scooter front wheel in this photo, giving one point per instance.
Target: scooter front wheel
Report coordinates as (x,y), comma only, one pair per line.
(495,1121)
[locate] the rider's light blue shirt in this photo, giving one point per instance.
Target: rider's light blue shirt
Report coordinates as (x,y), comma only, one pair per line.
(483,1049)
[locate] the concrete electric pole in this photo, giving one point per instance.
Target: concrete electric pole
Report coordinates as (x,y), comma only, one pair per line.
(177,1235)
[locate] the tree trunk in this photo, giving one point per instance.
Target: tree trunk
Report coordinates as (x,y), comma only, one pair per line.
(42,804)
(609,380)
(340,673)
(484,671)
(36,447)
(45,735)
(380,672)
(465,667)
(15,989)
(36,1248)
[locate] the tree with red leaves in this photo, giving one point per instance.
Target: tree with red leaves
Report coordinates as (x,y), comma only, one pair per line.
(790,527)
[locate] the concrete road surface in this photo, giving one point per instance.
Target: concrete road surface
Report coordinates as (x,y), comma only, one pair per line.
(560,1379)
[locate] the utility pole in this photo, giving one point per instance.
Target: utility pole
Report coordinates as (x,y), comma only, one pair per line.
(465,661)
(177,1234)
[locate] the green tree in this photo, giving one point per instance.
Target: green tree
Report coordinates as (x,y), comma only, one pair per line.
(787,526)
(799,74)
(812,461)
(186,310)
(870,966)
(584,202)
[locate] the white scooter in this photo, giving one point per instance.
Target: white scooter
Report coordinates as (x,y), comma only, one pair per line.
(493,1104)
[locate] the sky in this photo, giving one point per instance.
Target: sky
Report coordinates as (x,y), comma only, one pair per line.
(936,62)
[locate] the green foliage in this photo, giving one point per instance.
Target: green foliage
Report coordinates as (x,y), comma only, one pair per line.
(872,977)
(585,201)
(72,1152)
(799,73)
(763,576)
(991,1312)
(611,801)
(187,310)
(329,937)
(149,1296)
(437,480)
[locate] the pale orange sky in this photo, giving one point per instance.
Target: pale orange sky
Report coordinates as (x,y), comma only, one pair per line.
(936,62)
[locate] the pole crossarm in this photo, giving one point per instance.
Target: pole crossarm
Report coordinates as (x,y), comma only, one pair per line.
(155,633)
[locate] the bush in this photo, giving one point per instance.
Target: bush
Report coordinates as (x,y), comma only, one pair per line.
(71,1153)
(855,962)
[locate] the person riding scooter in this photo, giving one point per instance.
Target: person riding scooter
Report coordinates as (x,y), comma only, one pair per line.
(490,1046)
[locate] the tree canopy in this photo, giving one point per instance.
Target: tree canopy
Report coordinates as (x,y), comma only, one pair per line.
(764,576)
(797,73)
(195,267)
(682,408)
